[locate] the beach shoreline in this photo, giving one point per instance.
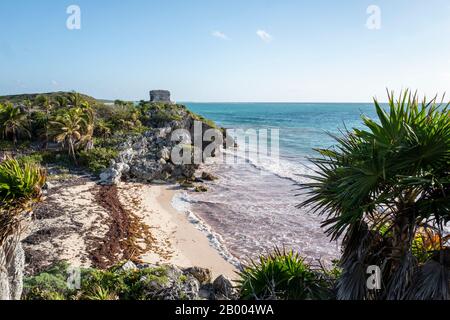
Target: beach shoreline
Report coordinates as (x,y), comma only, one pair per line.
(180,243)
(170,237)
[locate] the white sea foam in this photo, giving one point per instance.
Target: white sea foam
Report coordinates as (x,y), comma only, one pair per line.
(182,203)
(287,169)
(248,212)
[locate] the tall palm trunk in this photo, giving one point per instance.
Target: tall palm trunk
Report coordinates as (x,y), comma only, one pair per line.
(72,150)
(402,237)
(402,264)
(46,130)
(14,136)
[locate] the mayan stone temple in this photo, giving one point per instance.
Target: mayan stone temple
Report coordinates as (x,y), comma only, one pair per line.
(160,96)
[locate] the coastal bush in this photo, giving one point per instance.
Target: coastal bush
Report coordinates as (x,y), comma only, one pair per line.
(48,285)
(111,142)
(19,182)
(283,275)
(111,284)
(8,146)
(36,158)
(45,157)
(102,284)
(379,188)
(97,159)
(163,113)
(208,122)
(103,129)
(126,118)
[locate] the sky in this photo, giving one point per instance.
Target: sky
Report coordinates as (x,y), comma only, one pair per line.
(227,50)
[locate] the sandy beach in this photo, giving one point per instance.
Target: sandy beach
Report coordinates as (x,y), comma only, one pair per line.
(76,223)
(178,241)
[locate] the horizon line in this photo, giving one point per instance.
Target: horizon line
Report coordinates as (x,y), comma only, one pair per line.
(279,102)
(210,102)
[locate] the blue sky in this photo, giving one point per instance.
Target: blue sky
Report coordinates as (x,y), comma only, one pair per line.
(226,50)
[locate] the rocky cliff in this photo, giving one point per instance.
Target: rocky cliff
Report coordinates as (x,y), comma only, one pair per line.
(12,265)
(149,157)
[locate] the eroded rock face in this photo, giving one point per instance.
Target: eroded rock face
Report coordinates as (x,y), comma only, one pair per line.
(174,284)
(201,274)
(192,283)
(12,264)
(150,157)
(223,288)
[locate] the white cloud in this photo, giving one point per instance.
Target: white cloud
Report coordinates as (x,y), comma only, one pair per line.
(54,83)
(266,37)
(220,35)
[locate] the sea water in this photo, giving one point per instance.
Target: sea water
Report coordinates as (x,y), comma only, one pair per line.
(251,209)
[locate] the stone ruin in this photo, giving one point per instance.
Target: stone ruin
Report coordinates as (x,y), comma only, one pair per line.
(160,96)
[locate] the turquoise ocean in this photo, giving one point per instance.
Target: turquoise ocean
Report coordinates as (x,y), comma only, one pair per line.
(252,207)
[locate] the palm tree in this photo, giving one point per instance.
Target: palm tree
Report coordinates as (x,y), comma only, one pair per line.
(28,106)
(379,189)
(88,116)
(45,103)
(61,101)
(13,122)
(67,129)
(75,100)
(103,129)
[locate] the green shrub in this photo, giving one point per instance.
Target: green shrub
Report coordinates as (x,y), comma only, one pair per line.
(36,158)
(101,284)
(109,142)
(47,157)
(49,285)
(97,159)
(208,122)
(283,275)
(6,145)
(162,113)
(111,284)
(19,182)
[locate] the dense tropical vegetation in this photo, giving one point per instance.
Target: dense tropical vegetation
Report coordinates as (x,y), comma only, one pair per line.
(386,191)
(68,128)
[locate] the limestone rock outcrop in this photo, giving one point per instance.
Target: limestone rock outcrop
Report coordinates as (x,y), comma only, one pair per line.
(149,157)
(12,265)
